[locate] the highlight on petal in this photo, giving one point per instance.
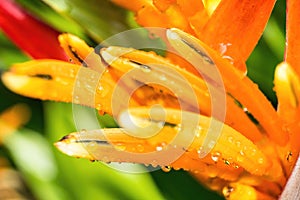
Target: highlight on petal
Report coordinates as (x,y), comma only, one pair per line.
(211,5)
(287,83)
(31,35)
(287,89)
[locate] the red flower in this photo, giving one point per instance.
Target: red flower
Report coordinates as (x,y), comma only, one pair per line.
(34,37)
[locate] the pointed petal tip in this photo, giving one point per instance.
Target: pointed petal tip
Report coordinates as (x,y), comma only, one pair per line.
(71,148)
(14,82)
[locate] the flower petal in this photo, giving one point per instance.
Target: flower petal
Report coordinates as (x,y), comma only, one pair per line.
(236,26)
(292,55)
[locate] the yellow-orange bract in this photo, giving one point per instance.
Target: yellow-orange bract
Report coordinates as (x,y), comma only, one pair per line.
(251,159)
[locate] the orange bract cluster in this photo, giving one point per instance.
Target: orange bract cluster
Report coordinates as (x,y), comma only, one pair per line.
(223,28)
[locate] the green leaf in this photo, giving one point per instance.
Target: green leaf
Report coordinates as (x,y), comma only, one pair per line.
(54,19)
(100,19)
(9,53)
(33,157)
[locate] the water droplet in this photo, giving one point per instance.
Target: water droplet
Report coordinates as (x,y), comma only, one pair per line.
(92,144)
(223,47)
(238,143)
(230,139)
(227,190)
(215,156)
(201,152)
(253,153)
(226,162)
(230,59)
(140,148)
(83,131)
(103,90)
(178,127)
(145,68)
(76,99)
(236,166)
(260,160)
(242,153)
(245,109)
(162,77)
(105,159)
(120,147)
(166,168)
(98,106)
(100,88)
(160,124)
(198,131)
(159,148)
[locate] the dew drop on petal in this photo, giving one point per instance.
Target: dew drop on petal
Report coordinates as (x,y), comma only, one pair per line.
(253,153)
(103,90)
(140,148)
(230,139)
(98,106)
(159,148)
(83,131)
(201,152)
(120,147)
(236,166)
(242,153)
(198,131)
(145,68)
(215,156)
(260,160)
(76,99)
(178,127)
(163,78)
(105,159)
(227,190)
(226,162)
(166,168)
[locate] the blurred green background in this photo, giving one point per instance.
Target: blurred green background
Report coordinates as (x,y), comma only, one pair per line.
(51,175)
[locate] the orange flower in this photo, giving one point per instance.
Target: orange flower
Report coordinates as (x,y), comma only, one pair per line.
(250,156)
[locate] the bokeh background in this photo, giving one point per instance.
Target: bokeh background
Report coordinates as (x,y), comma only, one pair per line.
(51,175)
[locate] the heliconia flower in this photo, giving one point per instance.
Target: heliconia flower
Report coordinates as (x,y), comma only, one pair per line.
(30,34)
(222,31)
(257,145)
